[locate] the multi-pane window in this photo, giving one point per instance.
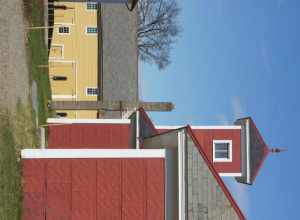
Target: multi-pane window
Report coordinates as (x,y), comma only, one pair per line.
(91,6)
(92,30)
(64,30)
(92,91)
(222,150)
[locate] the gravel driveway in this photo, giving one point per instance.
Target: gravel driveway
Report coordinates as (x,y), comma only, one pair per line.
(14,78)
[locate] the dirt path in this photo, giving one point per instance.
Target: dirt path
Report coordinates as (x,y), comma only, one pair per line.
(14,77)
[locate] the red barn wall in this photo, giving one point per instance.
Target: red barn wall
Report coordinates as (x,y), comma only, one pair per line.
(206,136)
(89,136)
(93,189)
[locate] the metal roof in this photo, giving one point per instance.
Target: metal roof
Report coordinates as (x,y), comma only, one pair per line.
(93,189)
(86,135)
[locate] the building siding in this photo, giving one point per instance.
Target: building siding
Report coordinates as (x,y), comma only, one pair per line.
(75,56)
(206,136)
(89,136)
(93,189)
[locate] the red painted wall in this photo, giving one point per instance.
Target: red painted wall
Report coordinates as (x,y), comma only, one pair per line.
(93,189)
(206,136)
(89,136)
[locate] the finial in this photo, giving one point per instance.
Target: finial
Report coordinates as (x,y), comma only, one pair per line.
(278,150)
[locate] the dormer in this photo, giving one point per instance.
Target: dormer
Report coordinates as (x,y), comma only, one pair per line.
(221,144)
(234,150)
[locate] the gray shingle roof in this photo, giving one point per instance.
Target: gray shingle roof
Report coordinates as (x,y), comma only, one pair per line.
(119,53)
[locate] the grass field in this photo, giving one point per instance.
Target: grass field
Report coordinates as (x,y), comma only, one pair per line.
(18,128)
(38,56)
(16,131)
(10,184)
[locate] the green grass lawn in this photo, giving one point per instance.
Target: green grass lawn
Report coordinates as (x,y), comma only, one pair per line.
(17,130)
(38,56)
(10,184)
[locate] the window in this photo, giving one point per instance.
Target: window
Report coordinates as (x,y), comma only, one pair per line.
(91,6)
(222,150)
(59,78)
(92,91)
(92,30)
(64,30)
(61,114)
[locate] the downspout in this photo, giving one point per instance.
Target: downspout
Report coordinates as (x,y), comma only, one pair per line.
(100,51)
(137,122)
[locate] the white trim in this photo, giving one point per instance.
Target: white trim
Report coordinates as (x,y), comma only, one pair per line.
(43,137)
(64,26)
(64,96)
(181,176)
(230,151)
(63,52)
(87,121)
(230,174)
(92,153)
(221,127)
(61,61)
(248,151)
(86,27)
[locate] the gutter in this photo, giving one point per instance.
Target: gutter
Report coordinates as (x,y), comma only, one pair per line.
(100,52)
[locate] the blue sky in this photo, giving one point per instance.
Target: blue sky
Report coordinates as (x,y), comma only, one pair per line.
(240,58)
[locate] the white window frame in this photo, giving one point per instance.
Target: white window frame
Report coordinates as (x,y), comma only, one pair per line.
(89,9)
(230,151)
(86,30)
(68,26)
(86,91)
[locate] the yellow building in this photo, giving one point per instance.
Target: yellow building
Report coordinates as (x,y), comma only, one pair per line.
(73,56)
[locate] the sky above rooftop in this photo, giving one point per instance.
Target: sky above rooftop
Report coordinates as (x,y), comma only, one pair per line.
(235,59)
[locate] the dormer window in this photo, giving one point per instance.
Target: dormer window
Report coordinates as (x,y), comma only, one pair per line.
(222,151)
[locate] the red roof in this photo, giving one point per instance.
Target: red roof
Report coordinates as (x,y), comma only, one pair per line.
(89,136)
(93,189)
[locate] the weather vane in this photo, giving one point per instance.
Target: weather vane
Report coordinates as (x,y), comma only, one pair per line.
(278,150)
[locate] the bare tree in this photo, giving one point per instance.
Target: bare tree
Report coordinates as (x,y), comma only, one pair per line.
(157,31)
